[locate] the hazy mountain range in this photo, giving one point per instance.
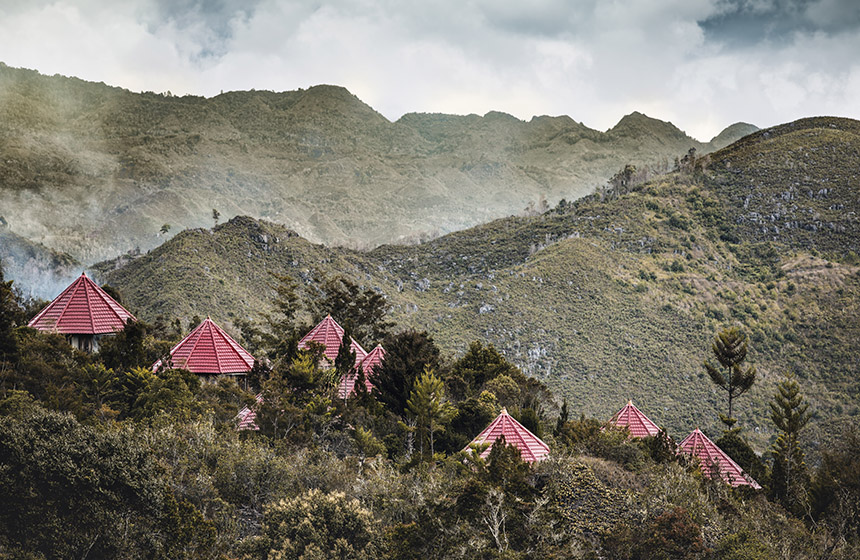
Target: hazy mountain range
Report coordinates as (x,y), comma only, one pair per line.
(95,171)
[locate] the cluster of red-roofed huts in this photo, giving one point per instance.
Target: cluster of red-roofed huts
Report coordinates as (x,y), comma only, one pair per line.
(84,313)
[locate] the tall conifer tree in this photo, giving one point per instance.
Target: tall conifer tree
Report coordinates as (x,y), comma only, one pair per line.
(430,407)
(790,478)
(730,350)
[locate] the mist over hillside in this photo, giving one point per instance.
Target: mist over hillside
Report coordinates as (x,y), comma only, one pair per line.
(38,272)
(95,171)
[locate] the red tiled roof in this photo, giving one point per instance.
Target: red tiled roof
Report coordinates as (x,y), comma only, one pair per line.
(371,361)
(531,447)
(330,334)
(698,445)
(633,419)
(246,419)
(82,308)
(208,350)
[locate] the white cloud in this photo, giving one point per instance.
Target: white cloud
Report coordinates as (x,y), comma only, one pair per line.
(590,59)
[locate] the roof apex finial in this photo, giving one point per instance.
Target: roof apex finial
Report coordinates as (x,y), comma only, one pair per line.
(504,410)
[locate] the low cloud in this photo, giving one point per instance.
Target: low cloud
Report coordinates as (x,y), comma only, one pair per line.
(702,64)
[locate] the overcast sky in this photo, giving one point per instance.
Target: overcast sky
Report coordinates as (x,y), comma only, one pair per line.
(702,64)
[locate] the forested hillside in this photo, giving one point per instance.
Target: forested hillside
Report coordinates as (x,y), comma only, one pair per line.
(614,296)
(103,456)
(720,291)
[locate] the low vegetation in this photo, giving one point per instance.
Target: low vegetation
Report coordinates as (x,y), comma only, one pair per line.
(102,457)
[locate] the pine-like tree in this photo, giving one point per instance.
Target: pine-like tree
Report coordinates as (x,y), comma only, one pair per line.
(790,477)
(730,350)
(562,418)
(344,362)
(430,407)
(279,338)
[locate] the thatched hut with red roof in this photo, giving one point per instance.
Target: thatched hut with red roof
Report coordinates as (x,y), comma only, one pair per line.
(531,447)
(84,313)
(715,461)
(630,417)
(209,351)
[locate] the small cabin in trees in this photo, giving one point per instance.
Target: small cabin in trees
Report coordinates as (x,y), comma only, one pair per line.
(210,352)
(630,417)
(84,313)
(531,447)
(246,418)
(374,359)
(329,334)
(714,460)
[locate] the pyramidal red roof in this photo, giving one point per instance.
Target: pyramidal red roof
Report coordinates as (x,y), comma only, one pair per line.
(246,419)
(330,334)
(82,308)
(208,350)
(371,361)
(633,419)
(698,445)
(531,447)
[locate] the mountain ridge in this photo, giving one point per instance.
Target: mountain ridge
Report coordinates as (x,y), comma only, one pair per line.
(319,160)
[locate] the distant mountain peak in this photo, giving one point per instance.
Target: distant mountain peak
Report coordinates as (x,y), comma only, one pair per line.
(638,124)
(500,115)
(732,133)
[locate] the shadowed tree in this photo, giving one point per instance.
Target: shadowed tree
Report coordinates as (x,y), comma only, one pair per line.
(430,408)
(406,355)
(730,350)
(360,311)
(790,478)
(10,316)
(344,362)
(478,365)
(129,348)
(836,492)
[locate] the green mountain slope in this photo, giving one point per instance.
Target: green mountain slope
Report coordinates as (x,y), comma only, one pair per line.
(319,161)
(615,296)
